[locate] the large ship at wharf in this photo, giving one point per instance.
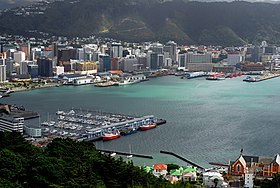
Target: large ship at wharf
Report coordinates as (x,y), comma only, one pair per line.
(93,125)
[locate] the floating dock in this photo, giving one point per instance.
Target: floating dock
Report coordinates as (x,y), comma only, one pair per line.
(182,158)
(127,153)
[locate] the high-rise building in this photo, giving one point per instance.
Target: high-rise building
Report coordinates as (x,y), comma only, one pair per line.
(33,70)
(45,67)
(115,64)
(157,48)
(116,50)
(104,62)
(9,66)
(129,64)
(23,67)
(173,50)
(26,49)
(182,60)
(154,61)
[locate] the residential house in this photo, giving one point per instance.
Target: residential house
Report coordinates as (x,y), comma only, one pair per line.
(160,170)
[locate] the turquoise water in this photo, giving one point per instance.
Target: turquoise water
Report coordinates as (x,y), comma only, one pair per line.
(207,121)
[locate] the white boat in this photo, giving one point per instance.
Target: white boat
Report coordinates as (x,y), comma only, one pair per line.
(129,156)
(113,154)
(127,82)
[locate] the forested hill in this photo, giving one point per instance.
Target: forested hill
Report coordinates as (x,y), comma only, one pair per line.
(216,23)
(66,163)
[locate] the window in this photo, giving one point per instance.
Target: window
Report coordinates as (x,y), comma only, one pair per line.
(238,168)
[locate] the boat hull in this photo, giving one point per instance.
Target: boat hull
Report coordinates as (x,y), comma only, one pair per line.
(145,128)
(110,137)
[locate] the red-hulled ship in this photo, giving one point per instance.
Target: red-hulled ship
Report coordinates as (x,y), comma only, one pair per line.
(110,135)
(147,127)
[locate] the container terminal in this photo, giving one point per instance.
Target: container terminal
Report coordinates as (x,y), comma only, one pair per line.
(92,125)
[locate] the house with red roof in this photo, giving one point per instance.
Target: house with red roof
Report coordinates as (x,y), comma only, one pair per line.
(160,169)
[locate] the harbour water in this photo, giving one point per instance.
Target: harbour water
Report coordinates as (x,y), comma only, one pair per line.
(207,121)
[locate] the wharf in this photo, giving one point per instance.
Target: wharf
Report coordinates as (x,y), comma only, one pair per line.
(127,153)
(182,158)
(261,78)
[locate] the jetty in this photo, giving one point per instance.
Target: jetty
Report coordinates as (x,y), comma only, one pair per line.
(182,158)
(126,153)
(262,77)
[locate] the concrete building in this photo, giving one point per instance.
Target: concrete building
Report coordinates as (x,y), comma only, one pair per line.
(86,68)
(199,61)
(157,48)
(19,56)
(172,50)
(235,58)
(33,71)
(104,63)
(129,64)
(3,73)
(58,70)
(249,179)
(45,67)
(32,132)
(116,50)
(8,123)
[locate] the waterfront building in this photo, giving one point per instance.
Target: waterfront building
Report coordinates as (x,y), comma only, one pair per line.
(8,123)
(153,61)
(45,67)
(33,70)
(182,60)
(86,68)
(199,61)
(252,67)
(71,77)
(83,81)
(224,68)
(32,132)
(19,56)
(58,70)
(104,63)
(129,64)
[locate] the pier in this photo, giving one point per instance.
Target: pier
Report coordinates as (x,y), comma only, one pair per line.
(182,158)
(261,78)
(127,153)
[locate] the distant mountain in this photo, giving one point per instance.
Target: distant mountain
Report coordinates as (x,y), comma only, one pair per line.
(217,23)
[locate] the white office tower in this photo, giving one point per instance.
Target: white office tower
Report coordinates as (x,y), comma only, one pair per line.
(173,50)
(80,54)
(19,56)
(8,123)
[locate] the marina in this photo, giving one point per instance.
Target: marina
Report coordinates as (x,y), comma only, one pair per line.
(93,125)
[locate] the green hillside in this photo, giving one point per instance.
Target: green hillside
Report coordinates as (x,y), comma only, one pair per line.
(222,23)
